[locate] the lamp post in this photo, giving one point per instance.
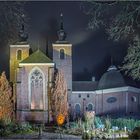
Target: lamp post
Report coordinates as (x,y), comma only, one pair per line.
(84,105)
(0,112)
(102,102)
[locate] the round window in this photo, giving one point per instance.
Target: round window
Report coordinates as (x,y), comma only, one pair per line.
(111,99)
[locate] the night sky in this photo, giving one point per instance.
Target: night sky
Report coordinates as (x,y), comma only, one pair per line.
(92,51)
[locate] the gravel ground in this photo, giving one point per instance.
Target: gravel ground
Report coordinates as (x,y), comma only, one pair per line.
(45,135)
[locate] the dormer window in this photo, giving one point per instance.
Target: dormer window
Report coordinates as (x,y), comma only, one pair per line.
(19,55)
(62,54)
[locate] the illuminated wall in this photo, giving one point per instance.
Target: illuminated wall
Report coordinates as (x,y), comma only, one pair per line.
(34,82)
(17,54)
(62,57)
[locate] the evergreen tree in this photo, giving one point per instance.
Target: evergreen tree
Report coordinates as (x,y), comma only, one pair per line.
(6,108)
(59,103)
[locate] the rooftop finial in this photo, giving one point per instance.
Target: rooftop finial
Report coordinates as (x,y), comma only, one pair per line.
(112,67)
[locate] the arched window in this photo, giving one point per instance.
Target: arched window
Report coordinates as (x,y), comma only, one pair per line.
(133,99)
(62,54)
(77,110)
(36,85)
(19,55)
(90,107)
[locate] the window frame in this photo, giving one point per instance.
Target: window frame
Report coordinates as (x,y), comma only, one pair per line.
(17,54)
(62,53)
(30,92)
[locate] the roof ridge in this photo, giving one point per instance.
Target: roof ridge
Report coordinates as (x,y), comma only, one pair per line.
(83,81)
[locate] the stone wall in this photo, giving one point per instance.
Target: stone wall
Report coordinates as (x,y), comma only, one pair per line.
(65,65)
(23,98)
(121,102)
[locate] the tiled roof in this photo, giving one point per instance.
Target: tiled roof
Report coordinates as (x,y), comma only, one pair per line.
(21,43)
(111,79)
(37,57)
(84,85)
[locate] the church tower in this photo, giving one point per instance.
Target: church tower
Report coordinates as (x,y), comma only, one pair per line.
(18,52)
(62,56)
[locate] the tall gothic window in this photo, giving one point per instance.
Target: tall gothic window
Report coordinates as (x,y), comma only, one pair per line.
(19,55)
(36,81)
(62,54)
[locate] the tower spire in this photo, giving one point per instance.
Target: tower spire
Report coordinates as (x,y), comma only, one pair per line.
(61,21)
(61,33)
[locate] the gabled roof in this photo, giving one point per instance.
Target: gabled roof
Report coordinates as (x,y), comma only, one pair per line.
(84,85)
(37,57)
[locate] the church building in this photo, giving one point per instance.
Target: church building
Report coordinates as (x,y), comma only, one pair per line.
(32,76)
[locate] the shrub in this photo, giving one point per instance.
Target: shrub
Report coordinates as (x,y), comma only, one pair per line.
(107,124)
(14,127)
(86,136)
(98,122)
(135,133)
(125,122)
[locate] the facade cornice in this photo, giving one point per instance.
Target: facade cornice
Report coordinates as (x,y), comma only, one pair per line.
(36,64)
(119,89)
(61,45)
(20,45)
(112,90)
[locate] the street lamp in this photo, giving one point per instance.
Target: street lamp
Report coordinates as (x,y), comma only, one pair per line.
(84,105)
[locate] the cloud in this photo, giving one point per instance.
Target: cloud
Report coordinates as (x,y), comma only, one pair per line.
(78,37)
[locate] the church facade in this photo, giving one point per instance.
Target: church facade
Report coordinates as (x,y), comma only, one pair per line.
(32,76)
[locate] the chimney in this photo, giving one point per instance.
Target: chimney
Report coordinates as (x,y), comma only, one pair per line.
(93,78)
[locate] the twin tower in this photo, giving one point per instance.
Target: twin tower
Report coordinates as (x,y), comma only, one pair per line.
(32,74)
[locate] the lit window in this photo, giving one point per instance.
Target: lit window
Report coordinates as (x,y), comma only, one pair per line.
(36,85)
(62,54)
(19,55)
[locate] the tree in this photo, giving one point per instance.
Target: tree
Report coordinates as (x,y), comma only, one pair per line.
(131,62)
(6,107)
(59,103)
(12,15)
(121,20)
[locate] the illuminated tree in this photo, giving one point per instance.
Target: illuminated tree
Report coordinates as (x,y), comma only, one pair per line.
(6,109)
(121,20)
(59,101)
